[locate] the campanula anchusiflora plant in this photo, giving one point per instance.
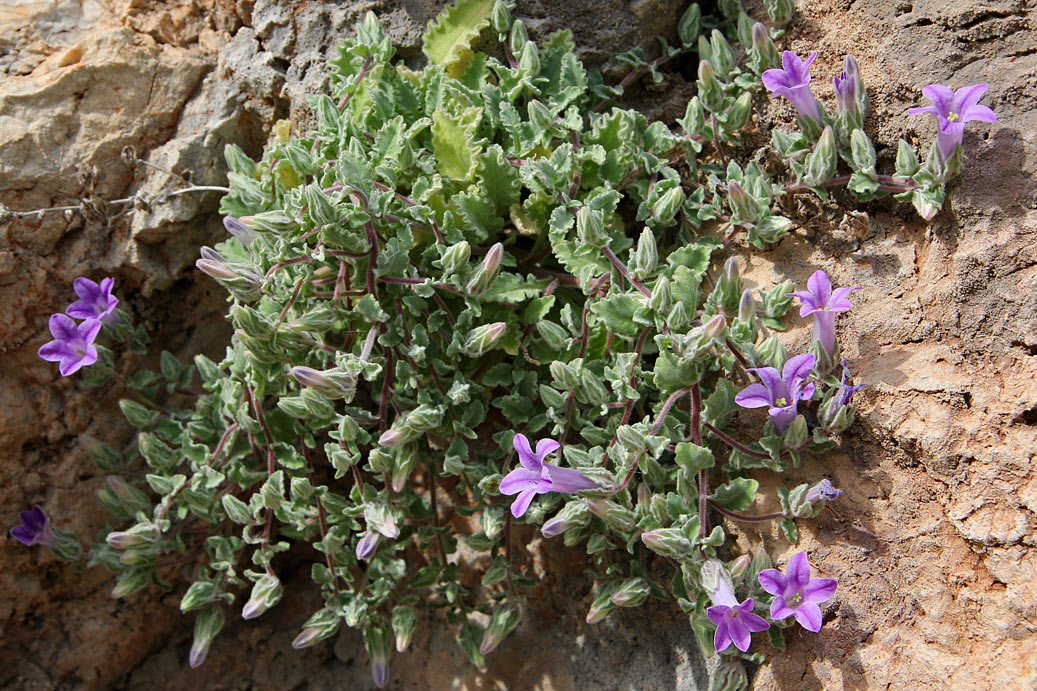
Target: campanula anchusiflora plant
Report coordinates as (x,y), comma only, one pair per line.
(34,528)
(536,476)
(952,109)
(780,393)
(796,593)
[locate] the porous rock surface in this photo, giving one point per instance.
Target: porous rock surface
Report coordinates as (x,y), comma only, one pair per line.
(933,542)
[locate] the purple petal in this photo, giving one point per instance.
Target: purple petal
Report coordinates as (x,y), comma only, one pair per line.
(81,309)
(522,502)
(754,622)
(567,479)
(941,96)
(62,327)
(798,571)
(809,616)
(808,62)
(546,447)
(983,113)
(23,535)
(924,110)
(809,303)
(779,610)
(772,381)
(70,366)
(821,286)
(723,595)
(773,581)
(819,589)
(34,518)
(526,456)
(87,290)
(722,638)
(753,396)
(806,394)
(716,613)
(968,96)
(739,633)
(775,80)
(88,330)
(55,351)
(519,480)
(797,368)
(840,302)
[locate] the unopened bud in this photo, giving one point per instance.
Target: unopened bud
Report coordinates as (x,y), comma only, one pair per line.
(529,59)
(367,544)
(216,269)
(573,514)
(211,254)
(764,50)
(456,258)
(601,608)
(377,641)
(206,626)
(738,113)
(631,593)
(711,92)
(714,328)
(780,11)
(747,306)
(404,621)
(668,542)
(391,437)
(678,317)
(744,208)
(266,592)
(796,435)
(739,566)
(723,56)
(690,24)
(564,375)
(822,161)
(132,499)
(505,618)
(318,627)
(491,262)
(590,229)
(137,536)
(238,230)
(665,209)
(482,338)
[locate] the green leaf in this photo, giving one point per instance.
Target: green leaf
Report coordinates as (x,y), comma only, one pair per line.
(617,312)
(737,495)
(694,458)
(453,142)
(450,36)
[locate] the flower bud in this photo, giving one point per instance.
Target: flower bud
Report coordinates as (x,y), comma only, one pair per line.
(747,307)
(573,514)
(601,607)
(216,269)
(518,38)
(367,544)
(425,417)
(529,60)
(483,338)
(211,254)
(862,152)
(853,71)
(318,627)
(714,328)
(455,258)
(678,317)
(591,388)
(379,517)
(615,516)
(404,620)
(723,57)
(668,542)
(377,641)
(764,50)
(131,498)
(711,92)
(333,383)
(631,593)
(739,567)
(845,93)
(506,616)
(266,592)
(130,581)
(500,18)
(238,230)
(491,262)
(665,209)
(556,337)
(269,221)
(590,229)
(391,437)
(744,208)
(206,626)
(771,353)
(141,535)
(403,463)
(821,162)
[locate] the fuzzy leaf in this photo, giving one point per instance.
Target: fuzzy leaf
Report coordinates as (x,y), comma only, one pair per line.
(448,39)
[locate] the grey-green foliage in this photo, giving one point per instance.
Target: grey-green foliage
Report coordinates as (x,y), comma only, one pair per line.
(386,349)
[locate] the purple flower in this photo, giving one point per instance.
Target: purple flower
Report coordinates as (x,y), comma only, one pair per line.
(793,82)
(34,529)
(845,93)
(797,594)
(952,110)
(537,477)
(823,491)
(73,345)
(735,622)
(846,388)
(822,302)
(95,301)
(368,544)
(780,392)
(238,230)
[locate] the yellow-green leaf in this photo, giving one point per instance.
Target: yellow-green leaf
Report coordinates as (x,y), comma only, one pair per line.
(452,143)
(450,36)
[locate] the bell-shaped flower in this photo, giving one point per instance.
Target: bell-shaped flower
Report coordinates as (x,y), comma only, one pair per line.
(735,622)
(952,109)
(821,302)
(535,476)
(95,300)
(34,528)
(780,392)
(73,345)
(796,593)
(793,82)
